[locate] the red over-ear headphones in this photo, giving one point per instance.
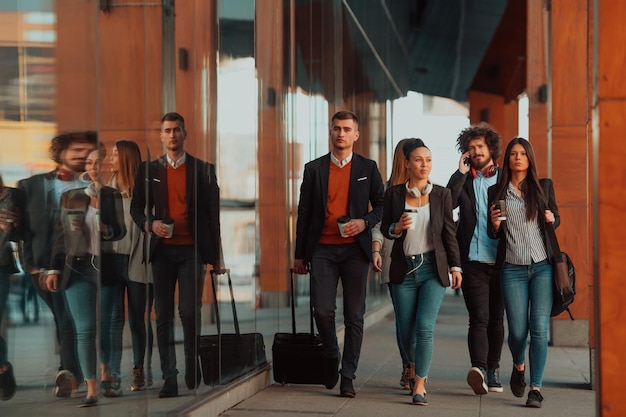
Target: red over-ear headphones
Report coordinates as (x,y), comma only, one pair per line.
(64,175)
(491,171)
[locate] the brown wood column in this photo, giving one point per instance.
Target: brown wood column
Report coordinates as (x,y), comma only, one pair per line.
(196,69)
(568,149)
(609,194)
(273,204)
(536,80)
(494,110)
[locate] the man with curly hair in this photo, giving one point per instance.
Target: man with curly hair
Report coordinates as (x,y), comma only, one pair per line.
(480,147)
(43,195)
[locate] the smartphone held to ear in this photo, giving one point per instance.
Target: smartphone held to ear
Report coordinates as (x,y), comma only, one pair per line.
(466,160)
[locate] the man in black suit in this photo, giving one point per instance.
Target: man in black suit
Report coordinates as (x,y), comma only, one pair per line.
(178,188)
(336,184)
(480,146)
(43,195)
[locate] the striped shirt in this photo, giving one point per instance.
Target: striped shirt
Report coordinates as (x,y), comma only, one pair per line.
(524,241)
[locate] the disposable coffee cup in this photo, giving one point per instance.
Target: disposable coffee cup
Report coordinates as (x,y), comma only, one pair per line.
(501,205)
(169,222)
(341,222)
(76,220)
(413,215)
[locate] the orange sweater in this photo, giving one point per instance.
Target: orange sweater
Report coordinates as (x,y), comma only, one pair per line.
(337,205)
(177,202)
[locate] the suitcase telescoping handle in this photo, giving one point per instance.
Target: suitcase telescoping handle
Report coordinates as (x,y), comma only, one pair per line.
(232,299)
(293,303)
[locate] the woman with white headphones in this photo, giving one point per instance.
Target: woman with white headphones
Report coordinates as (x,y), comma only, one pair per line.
(418,216)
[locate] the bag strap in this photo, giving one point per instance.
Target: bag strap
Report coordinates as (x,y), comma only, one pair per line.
(554,243)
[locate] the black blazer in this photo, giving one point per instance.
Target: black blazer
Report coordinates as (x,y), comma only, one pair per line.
(442,229)
(548,191)
(366,187)
(150,202)
(14,232)
(462,189)
(68,243)
(40,219)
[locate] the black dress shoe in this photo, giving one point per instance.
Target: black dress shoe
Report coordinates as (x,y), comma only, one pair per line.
(170,388)
(7,383)
(192,373)
(346,388)
(331,372)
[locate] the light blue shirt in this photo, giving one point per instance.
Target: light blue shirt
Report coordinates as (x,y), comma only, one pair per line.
(482,248)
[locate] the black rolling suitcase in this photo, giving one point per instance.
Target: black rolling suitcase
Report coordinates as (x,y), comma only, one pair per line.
(227,356)
(298,358)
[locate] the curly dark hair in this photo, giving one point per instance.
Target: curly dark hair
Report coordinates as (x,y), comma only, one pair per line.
(64,140)
(492,139)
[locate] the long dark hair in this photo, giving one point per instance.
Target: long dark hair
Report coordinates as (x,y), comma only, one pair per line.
(531,189)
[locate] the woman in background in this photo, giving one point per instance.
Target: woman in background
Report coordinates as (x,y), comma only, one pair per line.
(381,258)
(525,261)
(137,279)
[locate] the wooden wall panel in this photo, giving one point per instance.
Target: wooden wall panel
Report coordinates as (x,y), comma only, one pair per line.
(129,82)
(569,62)
(609,132)
(76,65)
(273,204)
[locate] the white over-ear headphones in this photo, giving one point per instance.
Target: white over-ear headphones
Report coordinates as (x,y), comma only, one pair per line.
(91,190)
(416,192)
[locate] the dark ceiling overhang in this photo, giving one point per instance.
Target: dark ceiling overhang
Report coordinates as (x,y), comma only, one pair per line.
(389,47)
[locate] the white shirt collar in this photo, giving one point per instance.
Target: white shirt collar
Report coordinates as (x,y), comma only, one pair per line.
(341,163)
(176,164)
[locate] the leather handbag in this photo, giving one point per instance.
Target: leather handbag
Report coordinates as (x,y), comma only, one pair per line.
(564,275)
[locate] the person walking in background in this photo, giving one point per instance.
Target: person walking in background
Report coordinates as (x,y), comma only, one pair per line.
(11,216)
(337,184)
(418,216)
(178,187)
(480,146)
(381,258)
(88,215)
(43,194)
(525,261)
(136,277)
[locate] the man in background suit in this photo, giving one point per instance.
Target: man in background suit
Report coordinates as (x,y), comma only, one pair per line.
(336,184)
(43,196)
(182,189)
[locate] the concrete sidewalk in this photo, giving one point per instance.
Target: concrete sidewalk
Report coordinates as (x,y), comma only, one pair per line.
(566,382)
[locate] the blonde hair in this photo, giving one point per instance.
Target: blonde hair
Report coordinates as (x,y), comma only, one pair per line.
(398,167)
(130,159)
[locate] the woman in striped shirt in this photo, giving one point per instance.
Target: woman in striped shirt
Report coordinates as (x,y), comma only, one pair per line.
(525,261)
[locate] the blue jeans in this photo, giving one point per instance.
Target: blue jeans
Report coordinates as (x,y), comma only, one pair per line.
(112,318)
(4,296)
(407,357)
(328,264)
(416,302)
(180,263)
(81,295)
(527,292)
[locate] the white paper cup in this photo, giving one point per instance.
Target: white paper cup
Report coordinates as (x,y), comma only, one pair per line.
(413,215)
(170,230)
(341,223)
(76,220)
